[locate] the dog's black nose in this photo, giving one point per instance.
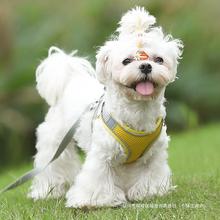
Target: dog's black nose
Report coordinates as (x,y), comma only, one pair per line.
(145,68)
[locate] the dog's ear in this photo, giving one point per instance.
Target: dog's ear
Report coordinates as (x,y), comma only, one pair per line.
(103,62)
(176,48)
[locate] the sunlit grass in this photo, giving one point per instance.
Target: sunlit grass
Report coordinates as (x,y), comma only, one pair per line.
(194,158)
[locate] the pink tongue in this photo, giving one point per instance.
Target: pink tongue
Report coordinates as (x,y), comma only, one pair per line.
(145,88)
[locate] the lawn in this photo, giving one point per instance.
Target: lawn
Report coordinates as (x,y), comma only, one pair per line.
(194,158)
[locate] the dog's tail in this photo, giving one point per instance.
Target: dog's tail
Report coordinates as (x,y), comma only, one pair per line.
(55,72)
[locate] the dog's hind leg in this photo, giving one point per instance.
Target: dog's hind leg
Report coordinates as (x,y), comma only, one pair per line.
(55,179)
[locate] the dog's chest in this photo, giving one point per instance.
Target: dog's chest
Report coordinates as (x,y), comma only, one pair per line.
(114,142)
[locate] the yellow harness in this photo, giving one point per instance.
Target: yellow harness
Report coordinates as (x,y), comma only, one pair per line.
(134,142)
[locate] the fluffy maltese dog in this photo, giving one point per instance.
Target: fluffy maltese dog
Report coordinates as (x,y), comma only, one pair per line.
(122,132)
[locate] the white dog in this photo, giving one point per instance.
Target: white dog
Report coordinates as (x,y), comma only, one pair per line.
(122,134)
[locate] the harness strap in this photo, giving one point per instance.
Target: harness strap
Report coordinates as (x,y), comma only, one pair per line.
(134,142)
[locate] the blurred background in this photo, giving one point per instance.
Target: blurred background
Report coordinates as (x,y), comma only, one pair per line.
(29,28)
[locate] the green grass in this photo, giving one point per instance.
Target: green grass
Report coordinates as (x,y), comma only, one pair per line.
(194,158)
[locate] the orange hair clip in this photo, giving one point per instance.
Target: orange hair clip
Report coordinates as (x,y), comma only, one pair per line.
(141,55)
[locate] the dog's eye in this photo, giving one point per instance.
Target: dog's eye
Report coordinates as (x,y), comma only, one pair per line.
(127,61)
(158,60)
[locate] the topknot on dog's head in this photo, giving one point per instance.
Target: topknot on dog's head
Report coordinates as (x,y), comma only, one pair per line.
(135,21)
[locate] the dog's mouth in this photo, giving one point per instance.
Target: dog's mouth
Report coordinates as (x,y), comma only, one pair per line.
(144,87)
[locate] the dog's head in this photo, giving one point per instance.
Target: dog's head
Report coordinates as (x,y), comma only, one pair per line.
(141,60)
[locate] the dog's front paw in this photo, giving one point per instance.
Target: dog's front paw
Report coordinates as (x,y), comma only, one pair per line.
(144,189)
(80,198)
(138,192)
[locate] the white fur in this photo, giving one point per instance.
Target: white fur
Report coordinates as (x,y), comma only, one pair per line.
(68,85)
(135,21)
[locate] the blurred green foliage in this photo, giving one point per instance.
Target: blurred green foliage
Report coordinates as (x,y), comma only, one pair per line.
(29,28)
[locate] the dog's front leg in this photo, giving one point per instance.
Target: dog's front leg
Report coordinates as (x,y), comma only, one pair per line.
(152,179)
(94,185)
